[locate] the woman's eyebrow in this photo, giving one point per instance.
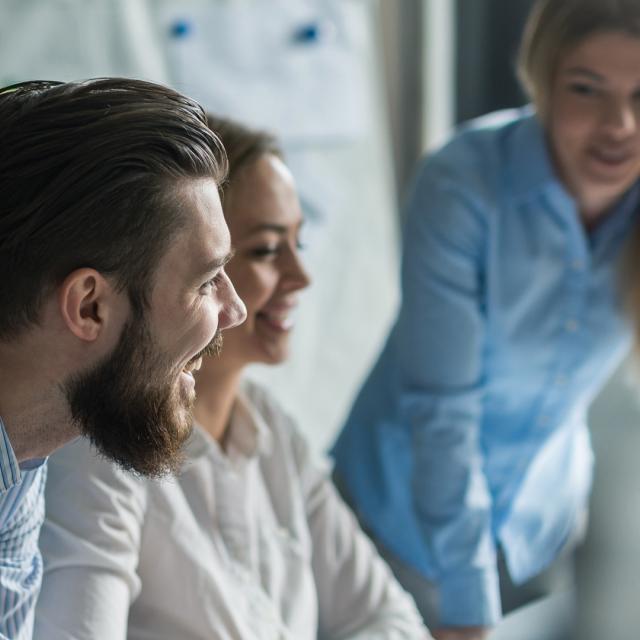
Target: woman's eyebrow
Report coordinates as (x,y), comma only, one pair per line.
(584,71)
(267,226)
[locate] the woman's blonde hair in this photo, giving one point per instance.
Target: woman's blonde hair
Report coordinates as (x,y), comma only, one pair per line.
(556,26)
(629,282)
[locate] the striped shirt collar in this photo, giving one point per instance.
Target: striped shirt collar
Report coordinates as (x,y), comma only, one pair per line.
(9,468)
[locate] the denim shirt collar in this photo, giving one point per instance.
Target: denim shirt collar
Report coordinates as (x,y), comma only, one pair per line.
(532,173)
(531,167)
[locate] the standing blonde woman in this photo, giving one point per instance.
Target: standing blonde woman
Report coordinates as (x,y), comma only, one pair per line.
(250,541)
(467,454)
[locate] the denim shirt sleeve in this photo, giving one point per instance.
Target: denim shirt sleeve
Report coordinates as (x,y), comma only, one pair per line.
(440,335)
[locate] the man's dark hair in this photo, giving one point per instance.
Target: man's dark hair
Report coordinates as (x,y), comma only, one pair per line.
(88,173)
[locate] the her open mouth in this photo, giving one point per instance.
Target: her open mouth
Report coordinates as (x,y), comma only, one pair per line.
(278,321)
(611,158)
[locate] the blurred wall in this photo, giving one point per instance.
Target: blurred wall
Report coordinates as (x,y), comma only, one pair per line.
(402,44)
(488,35)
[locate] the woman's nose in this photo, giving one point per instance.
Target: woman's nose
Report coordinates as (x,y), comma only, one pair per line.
(297,274)
(621,117)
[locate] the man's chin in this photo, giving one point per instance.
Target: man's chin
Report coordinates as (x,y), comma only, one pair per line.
(128,408)
(154,462)
(148,446)
(184,428)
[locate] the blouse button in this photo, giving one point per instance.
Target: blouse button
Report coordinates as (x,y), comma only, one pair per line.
(571,326)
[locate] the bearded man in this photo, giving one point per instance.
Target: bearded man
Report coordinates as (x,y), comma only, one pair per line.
(112,254)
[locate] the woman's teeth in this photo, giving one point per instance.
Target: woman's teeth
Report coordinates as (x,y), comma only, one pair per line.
(281,321)
(193,366)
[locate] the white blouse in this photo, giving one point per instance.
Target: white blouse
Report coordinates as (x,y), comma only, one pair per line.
(251,543)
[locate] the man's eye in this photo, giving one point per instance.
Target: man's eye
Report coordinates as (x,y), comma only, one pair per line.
(212,283)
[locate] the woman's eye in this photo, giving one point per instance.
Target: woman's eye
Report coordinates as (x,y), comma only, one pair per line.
(264,252)
(582,89)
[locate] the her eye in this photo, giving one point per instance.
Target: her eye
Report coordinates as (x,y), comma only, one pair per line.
(582,89)
(265,251)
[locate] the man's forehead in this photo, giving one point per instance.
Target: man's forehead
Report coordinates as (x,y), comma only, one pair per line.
(203,240)
(202,211)
(208,248)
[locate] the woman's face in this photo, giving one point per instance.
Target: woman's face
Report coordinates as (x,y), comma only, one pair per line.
(594,119)
(264,218)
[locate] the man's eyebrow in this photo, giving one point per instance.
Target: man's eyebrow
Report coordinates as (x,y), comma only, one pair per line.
(218,263)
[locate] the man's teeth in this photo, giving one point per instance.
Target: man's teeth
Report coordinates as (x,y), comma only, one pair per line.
(193,366)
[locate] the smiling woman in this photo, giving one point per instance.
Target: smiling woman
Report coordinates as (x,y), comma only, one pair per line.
(251,540)
(264,216)
(467,453)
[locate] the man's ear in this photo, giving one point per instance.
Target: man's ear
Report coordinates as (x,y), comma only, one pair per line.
(85,298)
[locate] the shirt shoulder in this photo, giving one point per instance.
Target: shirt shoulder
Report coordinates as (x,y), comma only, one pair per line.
(9,469)
(77,469)
(21,506)
(484,159)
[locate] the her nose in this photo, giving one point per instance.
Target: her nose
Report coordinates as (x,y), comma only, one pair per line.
(296,275)
(621,117)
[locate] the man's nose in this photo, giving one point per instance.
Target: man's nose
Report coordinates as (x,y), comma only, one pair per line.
(233,310)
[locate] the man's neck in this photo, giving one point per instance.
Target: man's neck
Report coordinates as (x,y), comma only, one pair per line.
(36,418)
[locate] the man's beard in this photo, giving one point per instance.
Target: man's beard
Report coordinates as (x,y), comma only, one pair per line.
(130,409)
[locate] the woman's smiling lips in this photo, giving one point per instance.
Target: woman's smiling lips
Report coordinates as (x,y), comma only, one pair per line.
(278,316)
(612,157)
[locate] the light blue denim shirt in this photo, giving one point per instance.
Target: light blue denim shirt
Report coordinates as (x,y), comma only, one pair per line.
(21,516)
(470,431)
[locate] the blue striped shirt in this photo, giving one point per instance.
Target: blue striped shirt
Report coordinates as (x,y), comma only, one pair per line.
(21,515)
